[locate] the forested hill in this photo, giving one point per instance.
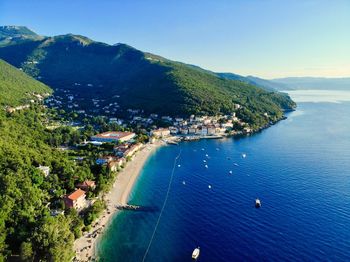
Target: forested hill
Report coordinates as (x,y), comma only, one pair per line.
(16,87)
(137,80)
(26,227)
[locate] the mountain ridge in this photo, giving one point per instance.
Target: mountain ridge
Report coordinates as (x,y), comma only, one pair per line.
(142,80)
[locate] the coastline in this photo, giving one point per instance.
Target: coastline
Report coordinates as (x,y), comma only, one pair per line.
(85,246)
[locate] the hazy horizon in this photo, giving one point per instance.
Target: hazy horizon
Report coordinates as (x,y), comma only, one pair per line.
(268,39)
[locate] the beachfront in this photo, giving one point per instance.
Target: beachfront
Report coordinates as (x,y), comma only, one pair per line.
(84,247)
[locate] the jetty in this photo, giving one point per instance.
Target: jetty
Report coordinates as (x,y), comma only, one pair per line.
(129,207)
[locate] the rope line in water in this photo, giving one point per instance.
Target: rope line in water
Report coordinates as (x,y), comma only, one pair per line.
(163,207)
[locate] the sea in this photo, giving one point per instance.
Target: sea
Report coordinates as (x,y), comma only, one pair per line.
(202,194)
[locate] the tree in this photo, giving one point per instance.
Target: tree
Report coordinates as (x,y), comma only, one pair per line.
(26,251)
(54,240)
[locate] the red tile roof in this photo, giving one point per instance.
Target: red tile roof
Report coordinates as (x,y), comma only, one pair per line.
(76,194)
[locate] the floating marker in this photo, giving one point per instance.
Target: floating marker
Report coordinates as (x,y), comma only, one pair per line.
(183,182)
(230,172)
(244,155)
(205,161)
(209,186)
(178,165)
(206,166)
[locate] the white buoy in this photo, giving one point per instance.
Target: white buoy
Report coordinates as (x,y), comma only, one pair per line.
(183,182)
(178,165)
(206,166)
(205,161)
(230,172)
(244,155)
(209,186)
(206,155)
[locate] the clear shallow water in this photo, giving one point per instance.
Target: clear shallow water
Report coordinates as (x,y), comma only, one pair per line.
(299,168)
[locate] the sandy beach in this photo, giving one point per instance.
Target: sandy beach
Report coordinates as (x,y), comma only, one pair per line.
(84,247)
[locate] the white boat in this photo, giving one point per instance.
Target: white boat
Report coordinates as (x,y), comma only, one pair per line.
(244,155)
(230,172)
(195,253)
(206,166)
(257,203)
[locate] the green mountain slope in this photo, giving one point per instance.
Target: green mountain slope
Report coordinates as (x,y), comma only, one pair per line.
(17,87)
(137,80)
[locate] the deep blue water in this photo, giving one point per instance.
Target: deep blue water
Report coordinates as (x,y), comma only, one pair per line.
(299,168)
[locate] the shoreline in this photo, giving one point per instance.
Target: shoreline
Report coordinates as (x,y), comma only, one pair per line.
(85,246)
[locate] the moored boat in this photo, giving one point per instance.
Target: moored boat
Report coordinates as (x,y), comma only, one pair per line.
(195,253)
(257,203)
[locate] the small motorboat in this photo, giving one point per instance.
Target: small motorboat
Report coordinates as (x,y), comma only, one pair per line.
(257,203)
(230,172)
(209,186)
(235,164)
(195,253)
(244,155)
(178,165)
(206,166)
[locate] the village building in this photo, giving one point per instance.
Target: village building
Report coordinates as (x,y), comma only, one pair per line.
(87,185)
(132,150)
(116,164)
(104,160)
(76,200)
(161,132)
(45,170)
(113,137)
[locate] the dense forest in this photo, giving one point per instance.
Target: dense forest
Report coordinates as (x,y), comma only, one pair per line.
(16,87)
(28,230)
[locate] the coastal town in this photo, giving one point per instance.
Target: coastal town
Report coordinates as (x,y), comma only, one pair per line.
(115,143)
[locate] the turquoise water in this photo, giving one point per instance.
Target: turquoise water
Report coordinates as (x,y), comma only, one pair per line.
(299,168)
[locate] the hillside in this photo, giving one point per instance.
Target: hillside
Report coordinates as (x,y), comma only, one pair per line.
(16,87)
(134,79)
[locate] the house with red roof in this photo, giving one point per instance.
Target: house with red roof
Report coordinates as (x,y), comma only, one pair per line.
(76,200)
(87,185)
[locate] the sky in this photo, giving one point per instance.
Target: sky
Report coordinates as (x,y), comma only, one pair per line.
(264,38)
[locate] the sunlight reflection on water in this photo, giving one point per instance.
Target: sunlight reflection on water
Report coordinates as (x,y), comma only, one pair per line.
(317,96)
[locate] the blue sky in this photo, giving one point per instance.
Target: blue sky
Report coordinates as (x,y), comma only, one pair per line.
(266,38)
